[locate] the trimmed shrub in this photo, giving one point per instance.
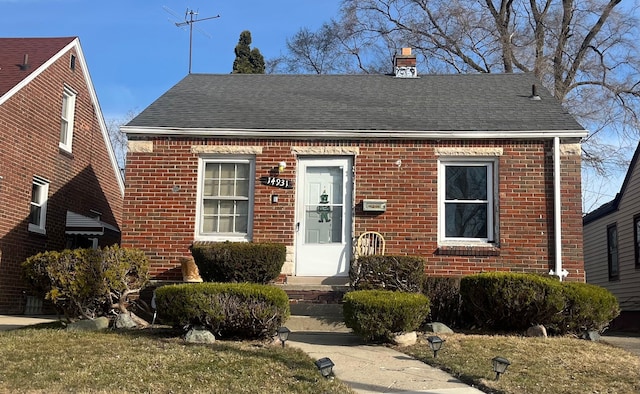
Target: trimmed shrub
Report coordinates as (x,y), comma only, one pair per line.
(230,310)
(587,308)
(509,301)
(387,272)
(376,315)
(444,295)
(239,262)
(85,282)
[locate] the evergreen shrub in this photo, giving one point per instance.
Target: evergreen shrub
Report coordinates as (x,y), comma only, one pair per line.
(444,294)
(387,272)
(87,283)
(239,261)
(587,308)
(229,310)
(376,315)
(508,301)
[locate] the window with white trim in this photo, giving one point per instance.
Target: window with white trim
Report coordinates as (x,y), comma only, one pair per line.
(466,201)
(225,199)
(39,197)
(66,122)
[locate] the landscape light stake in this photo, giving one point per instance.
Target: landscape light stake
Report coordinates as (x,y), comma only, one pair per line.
(435,343)
(500,365)
(283,334)
(325,366)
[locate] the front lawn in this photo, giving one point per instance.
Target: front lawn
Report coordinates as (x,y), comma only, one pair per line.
(151,361)
(553,365)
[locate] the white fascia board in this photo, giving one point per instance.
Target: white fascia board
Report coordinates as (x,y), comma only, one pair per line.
(99,116)
(133,131)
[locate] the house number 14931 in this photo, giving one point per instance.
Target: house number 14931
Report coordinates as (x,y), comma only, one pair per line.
(276,182)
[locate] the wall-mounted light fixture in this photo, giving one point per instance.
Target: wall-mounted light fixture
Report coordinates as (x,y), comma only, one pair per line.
(281,166)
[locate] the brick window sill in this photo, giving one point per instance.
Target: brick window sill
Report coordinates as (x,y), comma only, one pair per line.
(468,250)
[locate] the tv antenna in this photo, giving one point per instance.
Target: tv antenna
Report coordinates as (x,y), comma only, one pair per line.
(192,18)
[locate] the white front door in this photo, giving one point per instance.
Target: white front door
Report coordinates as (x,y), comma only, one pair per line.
(323,212)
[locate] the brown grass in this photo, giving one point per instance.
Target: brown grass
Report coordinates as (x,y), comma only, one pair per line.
(151,361)
(552,365)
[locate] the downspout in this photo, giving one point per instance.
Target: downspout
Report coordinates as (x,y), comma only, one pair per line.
(561,273)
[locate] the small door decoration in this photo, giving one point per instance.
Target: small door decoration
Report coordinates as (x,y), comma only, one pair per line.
(324,209)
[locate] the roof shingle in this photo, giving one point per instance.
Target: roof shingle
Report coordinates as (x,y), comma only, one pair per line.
(12,56)
(470,102)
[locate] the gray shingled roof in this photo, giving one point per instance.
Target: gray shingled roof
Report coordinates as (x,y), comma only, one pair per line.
(475,102)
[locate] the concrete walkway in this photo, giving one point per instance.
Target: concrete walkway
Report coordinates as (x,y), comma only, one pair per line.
(11,322)
(376,369)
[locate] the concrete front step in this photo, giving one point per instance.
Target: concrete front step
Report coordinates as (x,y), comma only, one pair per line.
(318,280)
(316,317)
(315,324)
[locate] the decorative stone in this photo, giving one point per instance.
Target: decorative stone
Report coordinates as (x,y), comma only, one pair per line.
(123,320)
(100,323)
(405,338)
(537,331)
(591,335)
(199,334)
(438,328)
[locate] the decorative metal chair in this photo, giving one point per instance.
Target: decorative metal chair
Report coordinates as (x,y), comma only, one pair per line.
(369,243)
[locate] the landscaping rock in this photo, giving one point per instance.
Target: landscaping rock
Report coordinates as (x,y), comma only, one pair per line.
(537,331)
(124,320)
(438,328)
(591,335)
(100,323)
(199,334)
(405,338)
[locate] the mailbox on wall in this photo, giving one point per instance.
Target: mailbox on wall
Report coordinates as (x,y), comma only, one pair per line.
(374,205)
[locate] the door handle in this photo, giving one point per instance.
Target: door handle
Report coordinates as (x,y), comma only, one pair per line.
(297,227)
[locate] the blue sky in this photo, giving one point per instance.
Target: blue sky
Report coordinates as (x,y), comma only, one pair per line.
(134,50)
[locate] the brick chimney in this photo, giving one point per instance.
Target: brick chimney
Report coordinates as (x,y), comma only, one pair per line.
(405,64)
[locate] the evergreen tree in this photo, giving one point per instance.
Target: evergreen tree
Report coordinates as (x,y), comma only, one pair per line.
(248,61)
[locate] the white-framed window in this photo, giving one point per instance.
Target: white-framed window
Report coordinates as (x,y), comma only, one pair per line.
(66,122)
(466,206)
(38,212)
(225,198)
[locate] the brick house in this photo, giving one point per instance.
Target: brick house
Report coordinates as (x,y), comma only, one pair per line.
(612,247)
(458,169)
(60,185)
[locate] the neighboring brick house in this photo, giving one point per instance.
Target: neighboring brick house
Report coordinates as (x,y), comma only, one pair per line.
(60,185)
(612,247)
(458,169)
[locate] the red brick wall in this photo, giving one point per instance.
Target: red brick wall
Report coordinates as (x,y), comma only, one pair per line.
(160,219)
(81,181)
